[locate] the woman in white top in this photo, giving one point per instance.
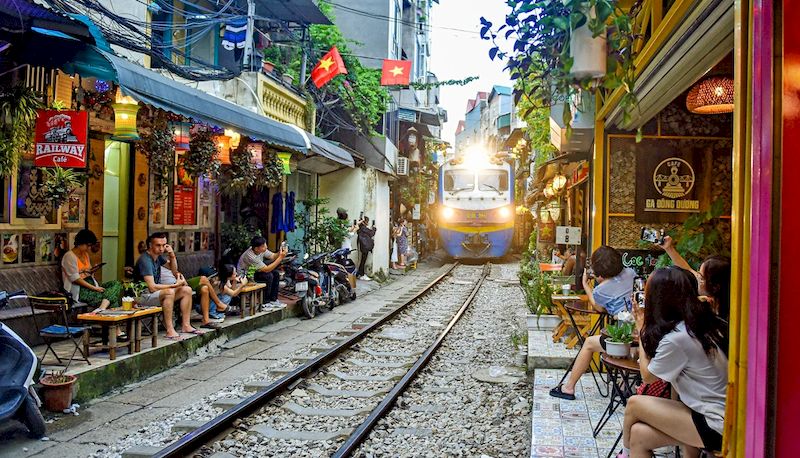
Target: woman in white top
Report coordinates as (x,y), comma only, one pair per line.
(683,342)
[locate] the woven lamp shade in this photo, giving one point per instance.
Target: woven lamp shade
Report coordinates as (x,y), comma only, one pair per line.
(224,148)
(711,96)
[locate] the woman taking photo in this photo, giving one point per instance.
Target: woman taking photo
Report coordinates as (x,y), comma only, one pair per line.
(683,342)
(78,275)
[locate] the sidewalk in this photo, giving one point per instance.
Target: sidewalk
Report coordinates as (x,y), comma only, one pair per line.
(216,369)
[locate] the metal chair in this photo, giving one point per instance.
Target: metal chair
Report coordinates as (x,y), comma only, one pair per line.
(78,335)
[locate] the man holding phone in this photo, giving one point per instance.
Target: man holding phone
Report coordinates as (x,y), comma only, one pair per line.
(366,243)
(148,270)
(257,256)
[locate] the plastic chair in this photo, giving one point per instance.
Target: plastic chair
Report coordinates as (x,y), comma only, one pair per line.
(78,335)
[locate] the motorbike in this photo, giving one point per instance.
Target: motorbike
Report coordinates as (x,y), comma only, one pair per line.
(308,278)
(18,399)
(343,271)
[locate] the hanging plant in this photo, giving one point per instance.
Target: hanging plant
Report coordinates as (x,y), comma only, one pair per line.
(203,155)
(18,107)
(241,175)
(158,146)
(272,174)
(58,185)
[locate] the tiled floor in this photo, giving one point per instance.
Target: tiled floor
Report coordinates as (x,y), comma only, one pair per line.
(562,428)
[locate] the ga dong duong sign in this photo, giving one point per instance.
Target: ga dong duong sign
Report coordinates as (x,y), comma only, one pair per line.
(670,185)
(61,138)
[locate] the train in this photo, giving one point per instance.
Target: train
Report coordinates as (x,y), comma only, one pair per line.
(476,206)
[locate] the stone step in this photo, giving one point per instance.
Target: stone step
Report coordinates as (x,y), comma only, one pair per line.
(321,390)
(387,365)
(297,409)
(290,434)
(141,451)
(226,403)
(367,378)
(391,354)
(186,426)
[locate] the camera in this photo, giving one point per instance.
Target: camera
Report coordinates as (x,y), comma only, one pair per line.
(653,235)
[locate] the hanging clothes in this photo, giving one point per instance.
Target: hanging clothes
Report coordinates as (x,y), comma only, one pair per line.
(231,48)
(276,223)
(288,219)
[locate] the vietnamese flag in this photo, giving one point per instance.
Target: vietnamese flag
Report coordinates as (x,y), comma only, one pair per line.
(329,66)
(396,72)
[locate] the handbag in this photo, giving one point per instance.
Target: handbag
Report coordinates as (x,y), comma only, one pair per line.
(659,389)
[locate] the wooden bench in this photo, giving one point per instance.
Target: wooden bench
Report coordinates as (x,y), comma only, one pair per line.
(251,296)
(133,325)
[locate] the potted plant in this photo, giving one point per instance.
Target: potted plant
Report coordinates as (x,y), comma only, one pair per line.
(18,114)
(203,156)
(271,174)
(519,340)
(620,336)
(538,291)
(240,176)
(58,185)
(57,390)
(137,289)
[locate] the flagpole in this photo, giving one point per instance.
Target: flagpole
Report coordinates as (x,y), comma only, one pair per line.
(249,45)
(304,64)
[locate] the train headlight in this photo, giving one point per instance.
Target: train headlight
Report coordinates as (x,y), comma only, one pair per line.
(448,213)
(504,212)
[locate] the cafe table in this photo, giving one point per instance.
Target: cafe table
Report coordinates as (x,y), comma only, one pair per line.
(113,319)
(560,300)
(625,376)
(251,297)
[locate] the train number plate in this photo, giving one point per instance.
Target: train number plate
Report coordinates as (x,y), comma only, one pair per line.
(475,215)
(301,286)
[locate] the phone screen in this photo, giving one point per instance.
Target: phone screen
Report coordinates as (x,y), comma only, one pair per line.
(650,235)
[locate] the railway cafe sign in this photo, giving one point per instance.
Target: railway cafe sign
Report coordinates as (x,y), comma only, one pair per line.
(668,185)
(61,138)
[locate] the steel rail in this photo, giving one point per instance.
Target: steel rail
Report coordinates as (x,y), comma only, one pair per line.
(208,431)
(362,431)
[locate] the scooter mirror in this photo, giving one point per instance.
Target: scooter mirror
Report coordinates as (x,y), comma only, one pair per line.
(305,256)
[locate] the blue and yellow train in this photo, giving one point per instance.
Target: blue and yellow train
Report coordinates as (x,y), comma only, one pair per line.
(476,206)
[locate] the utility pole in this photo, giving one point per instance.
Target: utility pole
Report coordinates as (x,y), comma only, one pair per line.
(249,47)
(304,65)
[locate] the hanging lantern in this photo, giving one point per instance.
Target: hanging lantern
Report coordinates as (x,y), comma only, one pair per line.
(544,214)
(548,191)
(711,96)
(236,138)
(125,111)
(224,148)
(285,160)
(554,209)
(180,133)
(559,181)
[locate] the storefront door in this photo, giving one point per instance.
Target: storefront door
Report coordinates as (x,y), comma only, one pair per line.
(115,208)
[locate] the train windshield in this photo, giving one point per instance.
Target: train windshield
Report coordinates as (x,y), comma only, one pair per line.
(459,180)
(493,180)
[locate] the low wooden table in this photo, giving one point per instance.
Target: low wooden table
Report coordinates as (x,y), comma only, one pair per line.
(560,300)
(133,325)
(251,296)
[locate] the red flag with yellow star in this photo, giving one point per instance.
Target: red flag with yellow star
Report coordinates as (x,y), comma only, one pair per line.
(396,72)
(329,66)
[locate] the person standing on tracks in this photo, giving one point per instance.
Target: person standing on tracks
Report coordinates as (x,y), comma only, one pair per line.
(401,236)
(366,243)
(255,256)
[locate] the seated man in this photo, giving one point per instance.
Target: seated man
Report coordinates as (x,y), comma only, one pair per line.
(148,270)
(612,295)
(255,256)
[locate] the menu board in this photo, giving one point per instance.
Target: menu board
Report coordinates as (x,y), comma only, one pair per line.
(183,207)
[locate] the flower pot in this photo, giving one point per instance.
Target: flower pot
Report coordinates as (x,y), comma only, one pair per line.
(618,349)
(588,53)
(57,396)
(542,322)
(288,79)
(521,358)
(267,66)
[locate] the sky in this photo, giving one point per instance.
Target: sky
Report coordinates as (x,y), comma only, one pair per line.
(458,54)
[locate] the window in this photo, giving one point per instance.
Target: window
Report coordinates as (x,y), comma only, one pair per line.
(495,180)
(458,180)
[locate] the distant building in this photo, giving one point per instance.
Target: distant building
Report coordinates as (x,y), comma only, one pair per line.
(488,120)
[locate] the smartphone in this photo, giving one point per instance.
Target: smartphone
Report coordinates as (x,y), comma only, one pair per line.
(284,245)
(652,235)
(639,295)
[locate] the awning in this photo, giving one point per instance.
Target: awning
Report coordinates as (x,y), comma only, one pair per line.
(326,157)
(303,12)
(155,89)
(703,39)
(19,16)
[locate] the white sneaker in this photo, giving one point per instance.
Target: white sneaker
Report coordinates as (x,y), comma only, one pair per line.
(216,320)
(364,277)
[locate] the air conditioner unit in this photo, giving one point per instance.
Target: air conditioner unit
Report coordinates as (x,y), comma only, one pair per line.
(402,165)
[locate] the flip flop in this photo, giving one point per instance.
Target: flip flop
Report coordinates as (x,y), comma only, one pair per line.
(210,325)
(196,332)
(557,393)
(177,338)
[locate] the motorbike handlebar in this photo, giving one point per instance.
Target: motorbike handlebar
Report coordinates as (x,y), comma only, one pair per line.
(5,296)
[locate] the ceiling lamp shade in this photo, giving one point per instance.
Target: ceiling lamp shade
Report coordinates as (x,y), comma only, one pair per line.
(711,96)
(224,149)
(125,111)
(180,132)
(544,214)
(554,208)
(236,138)
(559,181)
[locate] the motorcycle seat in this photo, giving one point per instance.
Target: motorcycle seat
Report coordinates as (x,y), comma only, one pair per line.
(11,397)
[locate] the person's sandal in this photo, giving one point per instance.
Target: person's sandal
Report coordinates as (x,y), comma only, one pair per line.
(211,325)
(557,393)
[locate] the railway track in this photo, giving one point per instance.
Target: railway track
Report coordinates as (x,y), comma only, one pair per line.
(339,395)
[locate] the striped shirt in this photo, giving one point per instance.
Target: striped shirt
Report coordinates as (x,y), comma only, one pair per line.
(250,258)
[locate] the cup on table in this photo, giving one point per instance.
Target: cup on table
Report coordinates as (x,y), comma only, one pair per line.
(127,303)
(565,288)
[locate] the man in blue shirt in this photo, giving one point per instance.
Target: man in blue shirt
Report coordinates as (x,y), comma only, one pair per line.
(148,270)
(611,295)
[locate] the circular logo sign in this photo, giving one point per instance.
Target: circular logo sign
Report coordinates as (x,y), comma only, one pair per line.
(673,178)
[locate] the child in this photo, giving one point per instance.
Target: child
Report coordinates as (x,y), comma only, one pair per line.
(230,284)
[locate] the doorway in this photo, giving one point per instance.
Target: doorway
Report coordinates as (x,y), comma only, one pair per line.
(115,208)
